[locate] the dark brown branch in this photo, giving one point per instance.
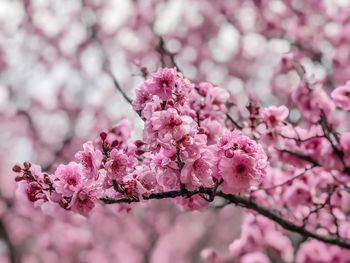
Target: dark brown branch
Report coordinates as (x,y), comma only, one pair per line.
(242,202)
(11,248)
(301,140)
(309,159)
(58,152)
(161,195)
(330,135)
(301,156)
(165,54)
(247,203)
(233,121)
(118,87)
(105,61)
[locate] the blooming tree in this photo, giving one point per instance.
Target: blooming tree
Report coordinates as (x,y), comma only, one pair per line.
(269,136)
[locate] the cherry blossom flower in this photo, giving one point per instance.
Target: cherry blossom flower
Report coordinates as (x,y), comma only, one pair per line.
(240,162)
(274,116)
(196,173)
(341,96)
(83,201)
(118,165)
(162,83)
(68,178)
(91,160)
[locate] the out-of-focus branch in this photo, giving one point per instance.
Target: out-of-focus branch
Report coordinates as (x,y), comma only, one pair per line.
(301,156)
(58,152)
(242,202)
(165,54)
(11,248)
(106,62)
(285,182)
(233,122)
(118,87)
(333,138)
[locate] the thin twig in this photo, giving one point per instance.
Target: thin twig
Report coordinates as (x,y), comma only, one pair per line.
(301,156)
(233,121)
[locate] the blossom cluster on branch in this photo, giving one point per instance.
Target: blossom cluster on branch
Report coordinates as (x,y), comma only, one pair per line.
(186,146)
(192,152)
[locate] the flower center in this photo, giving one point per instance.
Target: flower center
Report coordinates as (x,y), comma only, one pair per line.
(115,166)
(273,120)
(240,168)
(72,181)
(200,166)
(165,83)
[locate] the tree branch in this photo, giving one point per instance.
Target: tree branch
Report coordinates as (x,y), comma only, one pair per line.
(233,121)
(301,156)
(165,54)
(242,202)
(11,248)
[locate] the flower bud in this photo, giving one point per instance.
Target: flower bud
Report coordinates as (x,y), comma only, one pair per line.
(16,168)
(27,165)
(103,136)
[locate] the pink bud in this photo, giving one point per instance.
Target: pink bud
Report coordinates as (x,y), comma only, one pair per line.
(170,103)
(139,152)
(115,143)
(16,168)
(103,136)
(139,143)
(27,165)
(229,153)
(178,121)
(144,71)
(47,179)
(19,178)
(201,130)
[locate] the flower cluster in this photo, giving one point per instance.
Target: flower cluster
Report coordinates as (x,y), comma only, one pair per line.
(240,162)
(77,186)
(185,147)
(189,153)
(341,96)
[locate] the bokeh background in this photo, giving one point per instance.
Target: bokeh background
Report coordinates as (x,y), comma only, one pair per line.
(56,93)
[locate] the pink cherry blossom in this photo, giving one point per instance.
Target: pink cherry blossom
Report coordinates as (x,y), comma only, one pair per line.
(314,251)
(91,159)
(68,178)
(83,202)
(341,96)
(169,126)
(240,162)
(196,173)
(118,165)
(142,96)
(168,179)
(212,130)
(311,99)
(192,203)
(297,194)
(345,145)
(163,83)
(274,116)
(256,257)
(238,173)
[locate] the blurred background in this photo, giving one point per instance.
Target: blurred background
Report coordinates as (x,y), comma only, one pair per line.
(56,93)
